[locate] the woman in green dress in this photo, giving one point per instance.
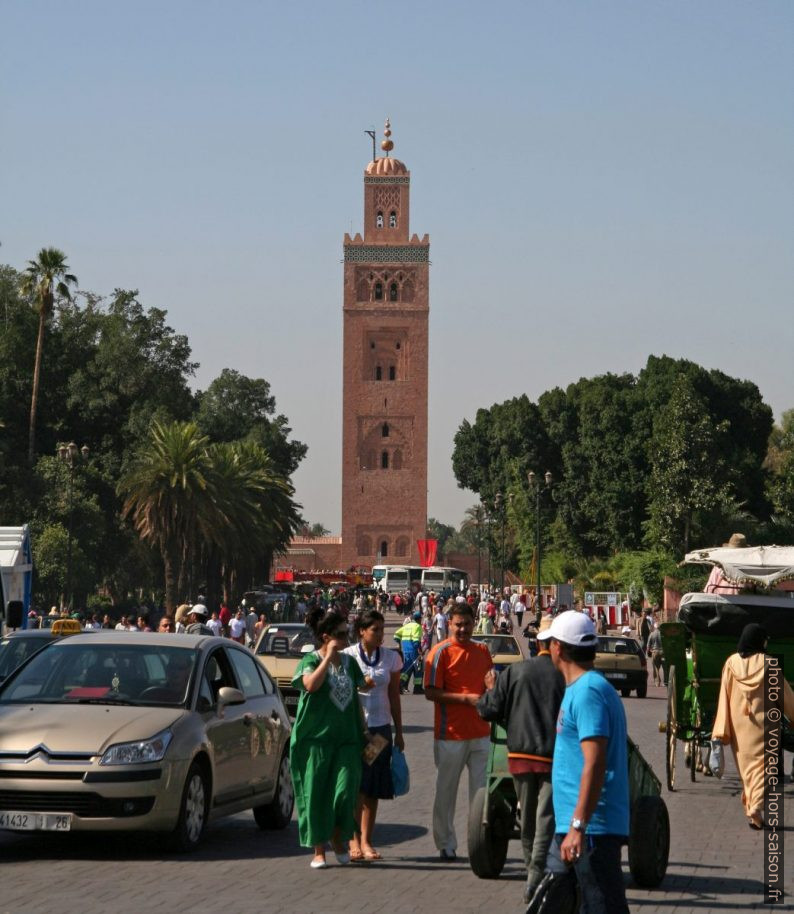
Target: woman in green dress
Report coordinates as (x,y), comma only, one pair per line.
(327,740)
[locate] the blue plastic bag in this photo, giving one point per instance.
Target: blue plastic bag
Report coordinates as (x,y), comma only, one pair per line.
(400,775)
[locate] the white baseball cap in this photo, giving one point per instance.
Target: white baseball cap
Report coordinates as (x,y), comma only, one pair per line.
(573,628)
(199,609)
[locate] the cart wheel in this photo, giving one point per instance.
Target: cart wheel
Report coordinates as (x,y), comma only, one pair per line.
(488,843)
(649,841)
(672,726)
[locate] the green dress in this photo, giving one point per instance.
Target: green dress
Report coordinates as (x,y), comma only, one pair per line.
(325,751)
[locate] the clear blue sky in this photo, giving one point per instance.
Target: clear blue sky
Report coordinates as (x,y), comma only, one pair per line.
(600,181)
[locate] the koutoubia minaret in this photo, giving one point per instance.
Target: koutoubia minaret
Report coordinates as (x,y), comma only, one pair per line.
(384,423)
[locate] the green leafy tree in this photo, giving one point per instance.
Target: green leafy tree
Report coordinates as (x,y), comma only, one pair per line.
(46,279)
(690,488)
(781,484)
(236,407)
(439,531)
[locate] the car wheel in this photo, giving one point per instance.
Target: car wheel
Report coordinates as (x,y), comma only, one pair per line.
(193,811)
(625,692)
(278,813)
(642,690)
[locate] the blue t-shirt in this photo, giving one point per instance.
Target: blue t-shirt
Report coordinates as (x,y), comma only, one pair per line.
(591,708)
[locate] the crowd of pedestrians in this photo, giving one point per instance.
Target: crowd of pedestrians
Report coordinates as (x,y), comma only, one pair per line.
(566,735)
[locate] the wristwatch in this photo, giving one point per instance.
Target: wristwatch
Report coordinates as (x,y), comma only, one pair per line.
(578,825)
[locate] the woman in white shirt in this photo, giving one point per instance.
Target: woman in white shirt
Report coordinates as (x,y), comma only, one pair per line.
(381,705)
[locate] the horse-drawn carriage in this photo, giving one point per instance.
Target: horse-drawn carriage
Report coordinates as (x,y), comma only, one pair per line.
(706,632)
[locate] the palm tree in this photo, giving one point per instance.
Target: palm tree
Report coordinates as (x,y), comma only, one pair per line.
(45,279)
(165,494)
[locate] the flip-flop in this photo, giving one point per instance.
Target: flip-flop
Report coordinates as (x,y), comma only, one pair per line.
(373,855)
(356,856)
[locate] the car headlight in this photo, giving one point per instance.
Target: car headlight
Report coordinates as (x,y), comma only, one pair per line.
(146,750)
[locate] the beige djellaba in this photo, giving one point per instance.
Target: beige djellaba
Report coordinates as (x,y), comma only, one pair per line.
(740,722)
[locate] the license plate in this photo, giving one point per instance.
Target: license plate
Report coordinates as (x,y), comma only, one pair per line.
(615,675)
(35,821)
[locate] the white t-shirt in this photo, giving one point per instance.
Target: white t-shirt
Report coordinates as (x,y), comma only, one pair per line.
(216,626)
(440,622)
(237,627)
(375,702)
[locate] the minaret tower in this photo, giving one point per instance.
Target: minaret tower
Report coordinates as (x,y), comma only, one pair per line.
(384,421)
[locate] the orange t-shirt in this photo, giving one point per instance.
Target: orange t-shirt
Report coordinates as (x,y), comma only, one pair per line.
(457,667)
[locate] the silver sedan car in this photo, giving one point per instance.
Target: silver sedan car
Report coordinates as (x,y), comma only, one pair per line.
(123,731)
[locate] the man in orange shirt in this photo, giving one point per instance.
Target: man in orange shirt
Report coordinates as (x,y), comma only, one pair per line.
(455,672)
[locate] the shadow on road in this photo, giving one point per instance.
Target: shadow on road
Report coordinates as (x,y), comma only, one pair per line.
(694,891)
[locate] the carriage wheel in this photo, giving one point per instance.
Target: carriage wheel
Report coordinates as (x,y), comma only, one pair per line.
(488,843)
(672,727)
(649,841)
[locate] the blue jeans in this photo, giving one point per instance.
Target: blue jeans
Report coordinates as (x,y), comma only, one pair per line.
(597,871)
(408,669)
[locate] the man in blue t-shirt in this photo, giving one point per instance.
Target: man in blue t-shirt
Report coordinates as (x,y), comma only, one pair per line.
(589,773)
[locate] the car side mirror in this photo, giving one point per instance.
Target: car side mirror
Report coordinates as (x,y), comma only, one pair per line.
(229,696)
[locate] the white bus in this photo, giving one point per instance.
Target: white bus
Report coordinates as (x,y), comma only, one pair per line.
(439,578)
(397,578)
(403,578)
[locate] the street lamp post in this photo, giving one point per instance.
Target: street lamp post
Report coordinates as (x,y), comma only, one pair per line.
(500,510)
(535,486)
(69,454)
(479,547)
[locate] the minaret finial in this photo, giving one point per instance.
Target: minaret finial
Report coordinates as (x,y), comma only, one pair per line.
(387,145)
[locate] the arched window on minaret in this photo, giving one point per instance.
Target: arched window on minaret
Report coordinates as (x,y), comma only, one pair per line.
(384,430)
(392,219)
(392,373)
(384,460)
(384,548)
(393,292)
(379,220)
(378,291)
(378,373)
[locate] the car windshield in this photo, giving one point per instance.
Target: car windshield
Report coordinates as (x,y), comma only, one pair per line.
(498,645)
(82,673)
(13,651)
(617,646)
(286,641)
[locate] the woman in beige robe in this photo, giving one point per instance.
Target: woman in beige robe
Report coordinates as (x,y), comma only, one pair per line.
(740,716)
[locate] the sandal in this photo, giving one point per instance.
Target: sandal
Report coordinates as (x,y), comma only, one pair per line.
(369,856)
(356,856)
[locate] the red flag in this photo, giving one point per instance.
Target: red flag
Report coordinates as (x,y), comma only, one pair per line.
(428,549)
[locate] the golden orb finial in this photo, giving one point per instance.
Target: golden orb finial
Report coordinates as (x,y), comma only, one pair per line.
(387,145)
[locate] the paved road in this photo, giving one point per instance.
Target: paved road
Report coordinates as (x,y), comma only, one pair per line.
(715,861)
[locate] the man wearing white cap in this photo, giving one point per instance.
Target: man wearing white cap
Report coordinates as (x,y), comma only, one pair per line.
(196,619)
(589,771)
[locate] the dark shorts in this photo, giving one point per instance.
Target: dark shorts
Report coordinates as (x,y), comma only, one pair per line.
(376,781)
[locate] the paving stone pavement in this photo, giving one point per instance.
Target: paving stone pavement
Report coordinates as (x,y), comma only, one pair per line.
(715,859)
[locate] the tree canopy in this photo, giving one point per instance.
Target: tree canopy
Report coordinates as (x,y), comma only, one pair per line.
(663,460)
(113,371)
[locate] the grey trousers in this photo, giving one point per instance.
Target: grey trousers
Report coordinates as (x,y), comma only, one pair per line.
(537,821)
